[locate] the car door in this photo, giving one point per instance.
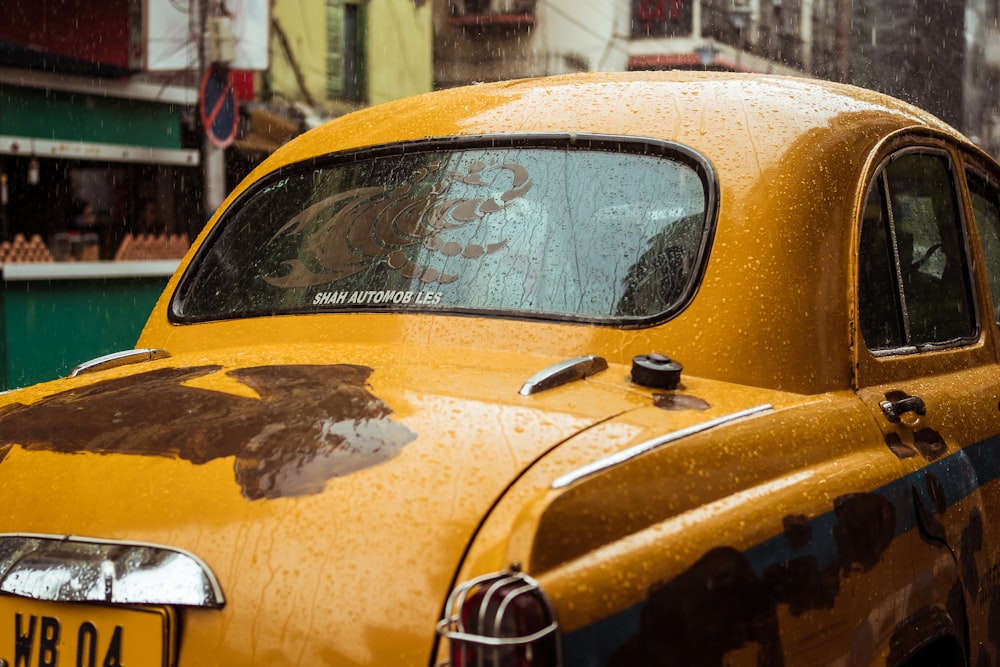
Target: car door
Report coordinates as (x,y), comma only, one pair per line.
(983,185)
(925,367)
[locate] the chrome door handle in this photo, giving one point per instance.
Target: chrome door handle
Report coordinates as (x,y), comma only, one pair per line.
(894,410)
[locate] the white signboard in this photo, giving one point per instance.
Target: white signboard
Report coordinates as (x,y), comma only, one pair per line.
(171,30)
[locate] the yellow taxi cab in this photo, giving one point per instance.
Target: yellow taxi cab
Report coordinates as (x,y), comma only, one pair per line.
(605,369)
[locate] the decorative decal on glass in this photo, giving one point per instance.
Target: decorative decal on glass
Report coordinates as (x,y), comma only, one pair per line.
(377,223)
(537,231)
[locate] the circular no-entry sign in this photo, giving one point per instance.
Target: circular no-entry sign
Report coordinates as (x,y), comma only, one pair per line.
(218,106)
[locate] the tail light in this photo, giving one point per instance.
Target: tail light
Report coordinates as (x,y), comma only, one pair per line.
(500,620)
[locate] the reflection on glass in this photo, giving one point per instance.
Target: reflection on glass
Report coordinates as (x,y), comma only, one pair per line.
(986,206)
(536,231)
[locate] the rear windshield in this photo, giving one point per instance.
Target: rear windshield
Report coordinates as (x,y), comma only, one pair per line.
(580,229)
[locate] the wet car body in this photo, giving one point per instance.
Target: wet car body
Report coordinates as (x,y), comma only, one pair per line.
(374,420)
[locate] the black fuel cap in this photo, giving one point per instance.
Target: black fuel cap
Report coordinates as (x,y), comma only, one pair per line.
(656,370)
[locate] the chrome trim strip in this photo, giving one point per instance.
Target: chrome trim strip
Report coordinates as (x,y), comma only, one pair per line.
(68,568)
(563,373)
(643,447)
(116,359)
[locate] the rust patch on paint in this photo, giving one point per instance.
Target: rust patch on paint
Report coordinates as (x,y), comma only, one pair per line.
(926,441)
(931,529)
(717,606)
(866,525)
(675,401)
(310,424)
(936,492)
(797,530)
(929,443)
(898,447)
(720,604)
(971,544)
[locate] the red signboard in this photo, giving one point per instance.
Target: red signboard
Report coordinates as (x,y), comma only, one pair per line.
(95,32)
(661,18)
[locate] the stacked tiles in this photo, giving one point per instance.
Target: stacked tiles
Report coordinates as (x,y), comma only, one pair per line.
(22,250)
(152,247)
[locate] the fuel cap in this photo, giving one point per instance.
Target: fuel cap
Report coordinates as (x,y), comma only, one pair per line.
(656,370)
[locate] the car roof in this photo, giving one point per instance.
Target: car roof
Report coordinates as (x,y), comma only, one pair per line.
(701,109)
(790,158)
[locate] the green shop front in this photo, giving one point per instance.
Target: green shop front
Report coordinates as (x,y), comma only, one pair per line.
(114,146)
(58,315)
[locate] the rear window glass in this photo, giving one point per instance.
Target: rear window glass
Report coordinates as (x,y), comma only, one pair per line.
(592,230)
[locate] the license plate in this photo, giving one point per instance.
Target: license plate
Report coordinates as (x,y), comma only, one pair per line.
(48,634)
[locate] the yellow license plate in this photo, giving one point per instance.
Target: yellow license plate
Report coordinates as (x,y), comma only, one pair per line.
(49,634)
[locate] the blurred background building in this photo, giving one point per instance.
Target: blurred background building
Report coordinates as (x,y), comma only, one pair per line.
(942,56)
(124,124)
(102,101)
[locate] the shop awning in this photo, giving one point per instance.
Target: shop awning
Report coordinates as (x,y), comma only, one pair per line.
(84,150)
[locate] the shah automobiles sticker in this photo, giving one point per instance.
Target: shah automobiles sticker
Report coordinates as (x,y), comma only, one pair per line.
(377,296)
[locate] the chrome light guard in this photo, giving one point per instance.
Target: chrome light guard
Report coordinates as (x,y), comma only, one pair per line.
(453,628)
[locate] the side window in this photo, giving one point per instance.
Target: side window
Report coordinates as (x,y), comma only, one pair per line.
(913,274)
(986,206)
(878,293)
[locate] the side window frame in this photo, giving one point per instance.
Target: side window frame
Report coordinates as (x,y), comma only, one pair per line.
(893,363)
(988,240)
(904,263)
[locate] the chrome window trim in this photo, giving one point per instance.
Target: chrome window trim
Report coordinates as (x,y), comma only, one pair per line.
(959,194)
(577,141)
(975,169)
(628,454)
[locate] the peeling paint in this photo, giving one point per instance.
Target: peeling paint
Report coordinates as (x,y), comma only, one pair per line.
(717,606)
(310,424)
(898,447)
(971,543)
(931,529)
(936,492)
(797,530)
(866,525)
(721,604)
(675,401)
(929,443)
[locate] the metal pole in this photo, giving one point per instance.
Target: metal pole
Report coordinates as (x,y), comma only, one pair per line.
(213,157)
(215,176)
(806,33)
(843,41)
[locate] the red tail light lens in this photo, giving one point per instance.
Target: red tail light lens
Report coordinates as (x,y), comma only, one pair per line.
(500,620)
